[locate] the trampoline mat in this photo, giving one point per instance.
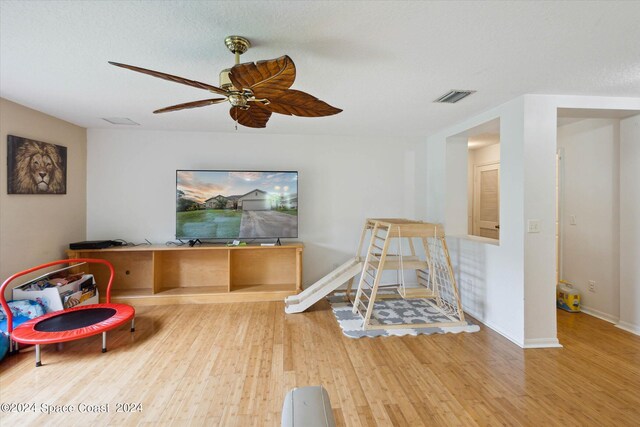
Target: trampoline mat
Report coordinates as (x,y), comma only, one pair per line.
(74,320)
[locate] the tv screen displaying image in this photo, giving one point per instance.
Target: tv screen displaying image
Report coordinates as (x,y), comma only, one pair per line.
(212,204)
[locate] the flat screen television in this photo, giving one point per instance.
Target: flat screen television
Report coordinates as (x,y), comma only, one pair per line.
(225,204)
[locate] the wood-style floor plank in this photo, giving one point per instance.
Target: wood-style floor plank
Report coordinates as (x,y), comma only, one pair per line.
(232,364)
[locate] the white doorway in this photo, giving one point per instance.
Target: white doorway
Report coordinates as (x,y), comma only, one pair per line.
(486,201)
(592,229)
(483,187)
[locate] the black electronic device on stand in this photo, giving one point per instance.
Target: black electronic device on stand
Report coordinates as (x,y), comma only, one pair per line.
(193,242)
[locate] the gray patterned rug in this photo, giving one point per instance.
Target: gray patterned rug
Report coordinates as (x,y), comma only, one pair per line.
(390,312)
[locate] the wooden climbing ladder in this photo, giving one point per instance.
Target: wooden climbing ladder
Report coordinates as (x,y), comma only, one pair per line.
(434,273)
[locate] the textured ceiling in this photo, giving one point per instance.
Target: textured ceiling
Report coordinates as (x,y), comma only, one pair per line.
(382,62)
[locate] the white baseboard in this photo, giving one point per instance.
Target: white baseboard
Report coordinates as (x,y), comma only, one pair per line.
(629,327)
(625,326)
(494,327)
(599,314)
(542,343)
(530,343)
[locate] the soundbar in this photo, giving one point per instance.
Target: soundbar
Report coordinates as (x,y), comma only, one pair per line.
(94,244)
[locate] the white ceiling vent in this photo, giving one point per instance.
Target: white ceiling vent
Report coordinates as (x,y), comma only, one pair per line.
(120,121)
(454,96)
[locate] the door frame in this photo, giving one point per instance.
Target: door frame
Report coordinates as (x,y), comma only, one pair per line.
(476,198)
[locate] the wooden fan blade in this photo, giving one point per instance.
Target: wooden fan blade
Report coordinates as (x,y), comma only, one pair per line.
(172,78)
(264,78)
(253,117)
(298,103)
(193,104)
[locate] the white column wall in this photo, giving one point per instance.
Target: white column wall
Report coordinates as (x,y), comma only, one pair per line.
(539,204)
(490,276)
(630,224)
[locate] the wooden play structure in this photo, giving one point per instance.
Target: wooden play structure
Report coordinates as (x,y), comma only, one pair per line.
(429,259)
(434,273)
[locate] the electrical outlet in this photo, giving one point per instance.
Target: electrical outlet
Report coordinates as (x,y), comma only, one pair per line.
(533,226)
(592,285)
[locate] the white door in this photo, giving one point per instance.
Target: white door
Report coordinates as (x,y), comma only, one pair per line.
(486,201)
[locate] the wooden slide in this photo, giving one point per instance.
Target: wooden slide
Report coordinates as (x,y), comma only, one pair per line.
(320,289)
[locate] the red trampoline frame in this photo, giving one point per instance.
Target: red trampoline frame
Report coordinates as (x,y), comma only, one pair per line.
(27,334)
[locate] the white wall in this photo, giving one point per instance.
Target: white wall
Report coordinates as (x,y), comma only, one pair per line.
(488,154)
(490,276)
(35,229)
(456,154)
(541,141)
(539,190)
(590,193)
(630,224)
(342,181)
(540,151)
(511,287)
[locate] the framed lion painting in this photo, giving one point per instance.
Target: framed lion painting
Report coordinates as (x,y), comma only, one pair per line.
(35,167)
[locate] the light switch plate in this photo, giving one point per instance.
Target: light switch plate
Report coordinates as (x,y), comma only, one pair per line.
(533,226)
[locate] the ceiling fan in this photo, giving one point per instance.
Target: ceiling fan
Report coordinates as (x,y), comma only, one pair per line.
(254,90)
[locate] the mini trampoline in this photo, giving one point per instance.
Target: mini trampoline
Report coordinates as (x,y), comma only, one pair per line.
(71,324)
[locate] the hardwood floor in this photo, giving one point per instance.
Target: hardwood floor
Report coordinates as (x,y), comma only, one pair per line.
(231,365)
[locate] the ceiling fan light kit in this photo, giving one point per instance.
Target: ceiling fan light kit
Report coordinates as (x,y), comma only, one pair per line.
(254,90)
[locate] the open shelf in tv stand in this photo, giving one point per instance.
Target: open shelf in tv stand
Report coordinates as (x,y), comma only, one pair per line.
(152,275)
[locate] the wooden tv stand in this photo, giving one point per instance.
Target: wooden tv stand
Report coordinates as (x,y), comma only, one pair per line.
(152,275)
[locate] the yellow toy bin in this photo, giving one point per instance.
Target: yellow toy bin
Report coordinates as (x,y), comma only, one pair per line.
(567,298)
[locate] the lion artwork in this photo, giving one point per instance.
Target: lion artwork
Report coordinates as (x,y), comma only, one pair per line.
(36,167)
